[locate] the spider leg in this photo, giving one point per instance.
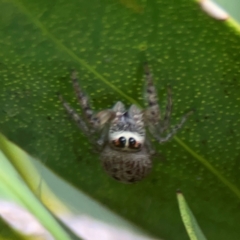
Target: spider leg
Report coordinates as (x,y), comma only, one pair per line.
(83,101)
(174,130)
(82,125)
(168,111)
(71,112)
(103,138)
(95,120)
(153,113)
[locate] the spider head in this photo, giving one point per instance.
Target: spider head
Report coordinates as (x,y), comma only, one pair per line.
(126,141)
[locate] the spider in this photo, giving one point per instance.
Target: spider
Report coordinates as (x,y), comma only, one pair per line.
(122,136)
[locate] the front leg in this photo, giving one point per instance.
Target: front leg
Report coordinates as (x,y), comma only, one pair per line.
(103,139)
(168,111)
(97,121)
(174,130)
(72,113)
(103,117)
(152,113)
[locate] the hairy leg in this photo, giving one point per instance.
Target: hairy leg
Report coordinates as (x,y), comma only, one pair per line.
(84,102)
(174,129)
(168,112)
(152,113)
(97,144)
(71,112)
(95,120)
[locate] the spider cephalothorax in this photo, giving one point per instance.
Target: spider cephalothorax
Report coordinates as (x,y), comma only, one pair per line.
(122,142)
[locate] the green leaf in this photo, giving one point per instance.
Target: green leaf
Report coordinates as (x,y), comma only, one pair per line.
(14,187)
(107,42)
(24,165)
(190,223)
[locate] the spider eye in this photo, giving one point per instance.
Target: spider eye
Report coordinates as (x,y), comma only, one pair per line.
(133,143)
(121,142)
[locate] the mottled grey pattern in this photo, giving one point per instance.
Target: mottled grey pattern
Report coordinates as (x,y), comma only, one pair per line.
(131,120)
(127,167)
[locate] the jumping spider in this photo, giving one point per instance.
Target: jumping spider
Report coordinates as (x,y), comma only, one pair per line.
(121,137)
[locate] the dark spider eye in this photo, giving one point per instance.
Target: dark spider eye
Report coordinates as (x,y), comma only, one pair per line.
(132,142)
(122,141)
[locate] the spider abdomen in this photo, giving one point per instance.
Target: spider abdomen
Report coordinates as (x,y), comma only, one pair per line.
(126,167)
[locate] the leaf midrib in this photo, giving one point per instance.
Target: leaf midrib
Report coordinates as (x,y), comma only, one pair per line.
(45,32)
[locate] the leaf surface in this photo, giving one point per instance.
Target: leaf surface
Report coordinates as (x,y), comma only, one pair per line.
(107,42)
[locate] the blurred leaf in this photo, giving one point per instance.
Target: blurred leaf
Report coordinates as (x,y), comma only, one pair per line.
(190,223)
(107,42)
(19,220)
(232,7)
(14,187)
(24,165)
(7,233)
